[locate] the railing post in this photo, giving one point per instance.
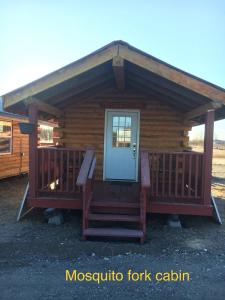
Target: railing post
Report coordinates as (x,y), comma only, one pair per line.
(33,118)
(145,187)
(208,154)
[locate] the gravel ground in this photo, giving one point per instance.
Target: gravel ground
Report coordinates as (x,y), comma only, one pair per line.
(35,255)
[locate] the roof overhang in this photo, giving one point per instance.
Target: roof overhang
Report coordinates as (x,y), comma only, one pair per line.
(120,62)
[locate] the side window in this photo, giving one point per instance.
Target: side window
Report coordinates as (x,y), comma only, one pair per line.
(46,134)
(5,137)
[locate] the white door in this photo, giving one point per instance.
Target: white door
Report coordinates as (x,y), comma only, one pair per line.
(121,145)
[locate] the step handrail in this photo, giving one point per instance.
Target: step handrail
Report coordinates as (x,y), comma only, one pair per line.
(85,167)
(86,180)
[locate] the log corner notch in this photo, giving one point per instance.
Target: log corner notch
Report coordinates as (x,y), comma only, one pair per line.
(203,109)
(43,106)
(118,70)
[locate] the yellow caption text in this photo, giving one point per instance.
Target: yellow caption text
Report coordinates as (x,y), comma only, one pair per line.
(130,275)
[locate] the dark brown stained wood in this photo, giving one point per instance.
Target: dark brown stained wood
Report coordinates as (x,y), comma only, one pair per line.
(157,178)
(43,106)
(183,174)
(130,94)
(202,110)
(145,171)
(196,175)
(67,170)
(61,171)
(92,169)
(170,171)
(170,88)
(42,168)
(180,208)
(56,202)
(119,105)
(85,167)
(55,166)
(164,168)
(176,176)
(57,171)
(182,179)
(119,74)
(74,169)
(190,174)
(142,87)
(114,204)
(91,94)
(156,88)
(113,218)
(33,118)
(116,232)
(98,81)
(208,153)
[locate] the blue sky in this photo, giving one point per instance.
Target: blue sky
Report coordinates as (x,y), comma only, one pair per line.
(38,37)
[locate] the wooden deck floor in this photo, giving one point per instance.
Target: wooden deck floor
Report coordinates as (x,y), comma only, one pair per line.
(121,197)
(116,191)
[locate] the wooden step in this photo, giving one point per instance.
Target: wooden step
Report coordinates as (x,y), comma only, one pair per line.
(113,232)
(113,217)
(115,204)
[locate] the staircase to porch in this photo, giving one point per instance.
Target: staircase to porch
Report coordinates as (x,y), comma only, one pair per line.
(65,179)
(115,211)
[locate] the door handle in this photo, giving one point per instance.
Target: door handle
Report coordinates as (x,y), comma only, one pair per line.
(134,150)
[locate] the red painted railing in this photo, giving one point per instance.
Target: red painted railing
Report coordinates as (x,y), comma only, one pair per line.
(145,187)
(58,169)
(176,175)
(86,181)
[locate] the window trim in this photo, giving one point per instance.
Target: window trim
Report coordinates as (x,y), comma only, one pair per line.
(46,141)
(11,138)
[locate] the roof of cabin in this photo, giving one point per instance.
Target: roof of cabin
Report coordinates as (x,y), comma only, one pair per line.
(140,71)
(11,116)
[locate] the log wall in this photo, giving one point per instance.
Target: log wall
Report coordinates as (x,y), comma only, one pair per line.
(161,128)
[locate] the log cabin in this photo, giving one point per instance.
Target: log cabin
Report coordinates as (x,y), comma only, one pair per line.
(123,148)
(14,146)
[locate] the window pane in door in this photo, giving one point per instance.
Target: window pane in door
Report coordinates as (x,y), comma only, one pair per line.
(115,121)
(121,133)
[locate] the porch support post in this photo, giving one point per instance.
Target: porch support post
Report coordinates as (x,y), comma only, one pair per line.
(208,154)
(119,74)
(33,118)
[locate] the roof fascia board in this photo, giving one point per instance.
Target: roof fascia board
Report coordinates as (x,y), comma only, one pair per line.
(176,76)
(61,75)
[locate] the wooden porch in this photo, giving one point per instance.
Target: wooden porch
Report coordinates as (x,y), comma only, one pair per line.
(170,182)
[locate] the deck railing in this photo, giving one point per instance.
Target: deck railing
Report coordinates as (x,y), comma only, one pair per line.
(176,175)
(145,188)
(85,180)
(58,169)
